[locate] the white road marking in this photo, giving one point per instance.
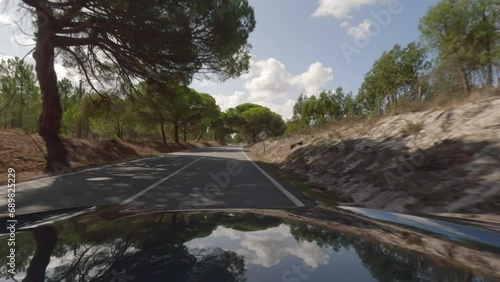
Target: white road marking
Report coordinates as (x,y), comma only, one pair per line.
(151,187)
(276,183)
(79,171)
(92,169)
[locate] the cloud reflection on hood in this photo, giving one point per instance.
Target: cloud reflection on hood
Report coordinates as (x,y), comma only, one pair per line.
(267,247)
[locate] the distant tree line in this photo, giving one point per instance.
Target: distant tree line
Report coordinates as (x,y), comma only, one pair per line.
(147,111)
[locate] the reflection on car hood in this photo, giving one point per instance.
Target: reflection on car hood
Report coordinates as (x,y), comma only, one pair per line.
(351,244)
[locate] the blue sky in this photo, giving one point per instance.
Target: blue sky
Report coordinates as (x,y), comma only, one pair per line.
(300,33)
(299,46)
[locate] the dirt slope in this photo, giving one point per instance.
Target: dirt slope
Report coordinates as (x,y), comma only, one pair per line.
(431,161)
(25,153)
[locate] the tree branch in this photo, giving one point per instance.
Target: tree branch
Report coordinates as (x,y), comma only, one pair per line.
(76,27)
(72,12)
(64,41)
(83,68)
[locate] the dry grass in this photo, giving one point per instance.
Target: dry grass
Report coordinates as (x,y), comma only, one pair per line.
(445,126)
(308,190)
(335,134)
(439,102)
(412,128)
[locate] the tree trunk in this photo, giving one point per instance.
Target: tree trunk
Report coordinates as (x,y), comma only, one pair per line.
(163,135)
(466,82)
(50,118)
(184,132)
(21,108)
(488,53)
(201,135)
(46,239)
(121,133)
(79,124)
(79,128)
(176,132)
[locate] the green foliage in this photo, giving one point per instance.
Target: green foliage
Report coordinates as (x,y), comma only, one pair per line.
(459,52)
(20,100)
(159,40)
(466,36)
(184,108)
(110,117)
(331,106)
(293,126)
(395,78)
(122,41)
(147,111)
(255,122)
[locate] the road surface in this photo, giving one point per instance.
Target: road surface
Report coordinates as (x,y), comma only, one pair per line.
(211,178)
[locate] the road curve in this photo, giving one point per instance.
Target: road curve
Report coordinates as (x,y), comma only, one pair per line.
(211,178)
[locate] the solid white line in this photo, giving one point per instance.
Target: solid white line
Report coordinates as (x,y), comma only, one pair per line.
(276,183)
(151,187)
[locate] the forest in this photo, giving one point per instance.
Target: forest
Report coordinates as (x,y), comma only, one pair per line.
(153,113)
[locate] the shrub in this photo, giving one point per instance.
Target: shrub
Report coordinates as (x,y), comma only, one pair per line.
(412,128)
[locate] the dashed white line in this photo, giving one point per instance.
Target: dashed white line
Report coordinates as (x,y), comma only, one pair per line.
(151,187)
(92,169)
(80,171)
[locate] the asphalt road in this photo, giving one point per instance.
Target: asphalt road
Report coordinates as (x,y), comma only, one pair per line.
(213,178)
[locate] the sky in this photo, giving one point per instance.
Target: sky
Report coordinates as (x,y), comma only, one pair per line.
(299,46)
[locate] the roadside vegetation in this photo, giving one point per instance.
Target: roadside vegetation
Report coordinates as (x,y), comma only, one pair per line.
(310,191)
(347,145)
(116,45)
(128,88)
(456,61)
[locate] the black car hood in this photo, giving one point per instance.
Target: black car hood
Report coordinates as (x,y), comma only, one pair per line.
(128,244)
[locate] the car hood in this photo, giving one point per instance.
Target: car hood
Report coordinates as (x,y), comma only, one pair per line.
(118,243)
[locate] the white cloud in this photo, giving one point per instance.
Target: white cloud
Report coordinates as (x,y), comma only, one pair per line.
(311,81)
(5,19)
(5,57)
(342,9)
(62,72)
(360,31)
(268,79)
(226,102)
(204,82)
(267,247)
(270,84)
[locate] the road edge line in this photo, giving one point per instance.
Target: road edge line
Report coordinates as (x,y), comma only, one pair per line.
(283,190)
(154,185)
